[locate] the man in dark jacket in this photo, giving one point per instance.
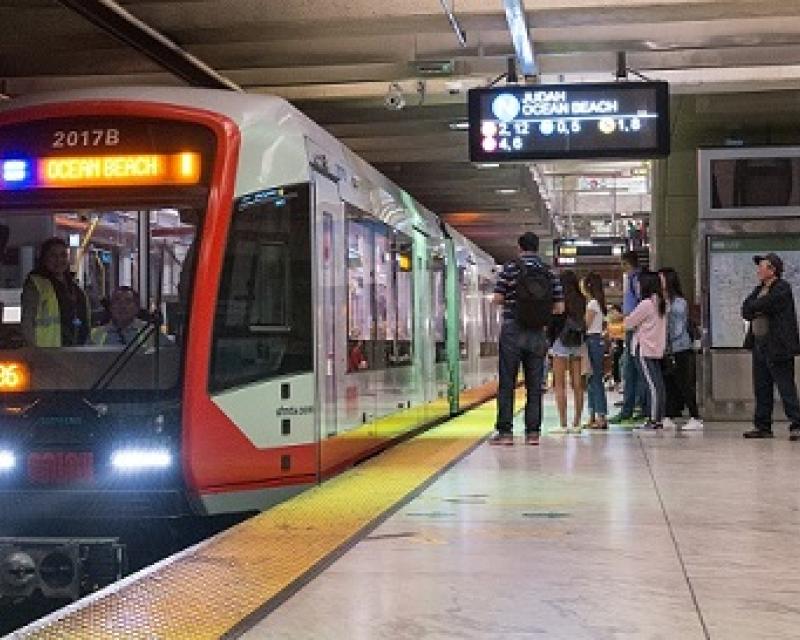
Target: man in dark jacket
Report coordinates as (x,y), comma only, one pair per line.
(774,340)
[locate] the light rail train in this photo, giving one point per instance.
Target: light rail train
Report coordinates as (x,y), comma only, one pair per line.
(299,312)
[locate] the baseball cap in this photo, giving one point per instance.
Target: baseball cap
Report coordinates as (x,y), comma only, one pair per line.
(773,259)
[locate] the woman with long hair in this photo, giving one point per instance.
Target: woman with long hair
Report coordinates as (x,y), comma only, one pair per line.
(55,310)
(649,323)
(680,345)
(592,288)
(567,351)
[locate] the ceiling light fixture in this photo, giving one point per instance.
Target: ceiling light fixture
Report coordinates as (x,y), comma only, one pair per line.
(518,26)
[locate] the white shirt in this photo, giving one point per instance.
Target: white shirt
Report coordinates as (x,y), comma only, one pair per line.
(597,321)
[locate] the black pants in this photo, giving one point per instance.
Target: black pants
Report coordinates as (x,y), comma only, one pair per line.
(617,349)
(654,383)
(768,374)
(528,348)
(685,376)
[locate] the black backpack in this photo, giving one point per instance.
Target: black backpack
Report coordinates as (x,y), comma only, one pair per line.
(534,297)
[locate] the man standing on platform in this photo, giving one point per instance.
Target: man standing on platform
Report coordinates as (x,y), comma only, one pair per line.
(633,389)
(774,341)
(530,295)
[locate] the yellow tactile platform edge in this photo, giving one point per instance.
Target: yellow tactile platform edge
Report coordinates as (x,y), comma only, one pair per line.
(211,589)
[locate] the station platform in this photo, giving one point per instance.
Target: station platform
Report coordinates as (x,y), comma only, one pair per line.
(599,536)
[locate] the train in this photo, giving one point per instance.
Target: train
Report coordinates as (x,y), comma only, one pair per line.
(296,313)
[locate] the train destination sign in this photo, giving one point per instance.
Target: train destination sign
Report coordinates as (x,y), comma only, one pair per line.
(541,122)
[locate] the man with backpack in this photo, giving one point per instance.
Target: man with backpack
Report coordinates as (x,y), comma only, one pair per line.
(530,295)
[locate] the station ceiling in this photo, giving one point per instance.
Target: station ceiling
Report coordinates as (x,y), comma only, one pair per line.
(337,60)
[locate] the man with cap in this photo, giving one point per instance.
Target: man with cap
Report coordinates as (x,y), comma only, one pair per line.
(774,341)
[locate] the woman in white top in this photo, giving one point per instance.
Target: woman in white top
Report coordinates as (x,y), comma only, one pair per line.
(592,287)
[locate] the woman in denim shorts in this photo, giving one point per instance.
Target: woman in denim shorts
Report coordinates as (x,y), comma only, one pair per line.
(568,357)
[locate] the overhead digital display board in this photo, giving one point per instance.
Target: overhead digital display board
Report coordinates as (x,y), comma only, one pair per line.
(565,121)
(600,250)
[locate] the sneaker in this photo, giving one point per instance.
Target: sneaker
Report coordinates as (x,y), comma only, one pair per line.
(629,421)
(695,424)
(532,439)
(598,425)
(794,434)
(502,438)
(758,433)
(669,423)
(650,426)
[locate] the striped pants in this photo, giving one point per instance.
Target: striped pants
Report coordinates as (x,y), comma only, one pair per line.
(654,383)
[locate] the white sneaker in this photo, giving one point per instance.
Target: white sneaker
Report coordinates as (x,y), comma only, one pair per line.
(693,425)
(669,423)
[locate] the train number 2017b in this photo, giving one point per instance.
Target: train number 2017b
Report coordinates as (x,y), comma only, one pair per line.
(85,138)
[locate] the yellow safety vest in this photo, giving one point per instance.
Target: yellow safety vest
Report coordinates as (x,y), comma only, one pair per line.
(47,323)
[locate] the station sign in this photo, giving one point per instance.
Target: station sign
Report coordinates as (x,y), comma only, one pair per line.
(569,121)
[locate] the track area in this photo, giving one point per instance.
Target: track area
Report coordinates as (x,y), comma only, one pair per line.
(147,545)
(223,585)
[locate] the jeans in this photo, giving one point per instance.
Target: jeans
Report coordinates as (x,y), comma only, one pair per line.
(528,348)
(654,380)
(634,390)
(767,375)
(596,391)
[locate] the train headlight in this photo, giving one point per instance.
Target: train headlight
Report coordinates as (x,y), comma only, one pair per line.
(7,460)
(141,459)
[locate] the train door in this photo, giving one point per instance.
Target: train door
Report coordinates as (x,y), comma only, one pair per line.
(328,251)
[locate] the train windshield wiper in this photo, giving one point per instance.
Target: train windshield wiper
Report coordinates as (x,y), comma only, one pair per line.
(126,355)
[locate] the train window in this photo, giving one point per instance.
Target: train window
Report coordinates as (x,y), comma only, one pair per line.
(438,306)
(263,318)
(75,289)
(380,295)
(490,325)
(385,286)
(404,266)
(462,326)
(360,255)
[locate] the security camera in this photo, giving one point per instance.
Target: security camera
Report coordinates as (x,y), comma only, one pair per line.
(394,99)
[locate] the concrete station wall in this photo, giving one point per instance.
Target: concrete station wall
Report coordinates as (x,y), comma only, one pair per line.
(752,119)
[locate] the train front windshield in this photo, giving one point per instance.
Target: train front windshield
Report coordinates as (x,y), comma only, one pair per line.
(99,220)
(95,299)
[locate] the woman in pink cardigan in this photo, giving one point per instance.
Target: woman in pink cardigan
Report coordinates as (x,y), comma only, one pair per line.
(649,321)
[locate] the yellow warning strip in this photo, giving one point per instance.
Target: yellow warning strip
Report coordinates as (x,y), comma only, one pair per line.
(209,590)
